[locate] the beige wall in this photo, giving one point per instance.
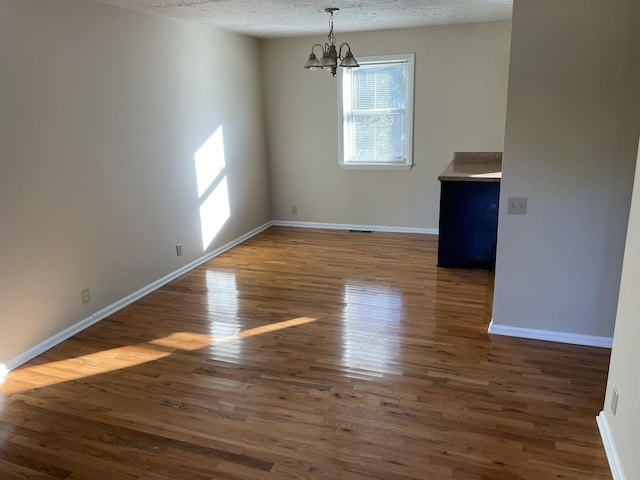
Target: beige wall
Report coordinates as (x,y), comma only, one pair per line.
(570,141)
(101,112)
(460,101)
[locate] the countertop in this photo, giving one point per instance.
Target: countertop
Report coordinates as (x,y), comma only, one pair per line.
(473,167)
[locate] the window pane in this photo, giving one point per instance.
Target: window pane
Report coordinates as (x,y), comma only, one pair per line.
(378,137)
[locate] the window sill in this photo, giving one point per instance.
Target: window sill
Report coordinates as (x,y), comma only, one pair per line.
(375,166)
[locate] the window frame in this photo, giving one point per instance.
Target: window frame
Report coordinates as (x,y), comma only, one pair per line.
(407,163)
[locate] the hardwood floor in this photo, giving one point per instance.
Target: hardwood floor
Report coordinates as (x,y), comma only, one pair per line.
(308,354)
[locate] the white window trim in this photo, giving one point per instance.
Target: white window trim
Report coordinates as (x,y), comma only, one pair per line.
(408,163)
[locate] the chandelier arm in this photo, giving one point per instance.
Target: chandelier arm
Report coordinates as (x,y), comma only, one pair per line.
(317,45)
(343,44)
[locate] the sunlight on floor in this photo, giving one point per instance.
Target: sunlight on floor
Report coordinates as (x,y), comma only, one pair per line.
(80,367)
(371,315)
(222,306)
(195,341)
(124,357)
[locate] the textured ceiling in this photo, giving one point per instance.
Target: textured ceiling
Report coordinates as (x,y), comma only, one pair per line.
(280,18)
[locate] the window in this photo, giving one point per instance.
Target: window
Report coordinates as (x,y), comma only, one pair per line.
(376,113)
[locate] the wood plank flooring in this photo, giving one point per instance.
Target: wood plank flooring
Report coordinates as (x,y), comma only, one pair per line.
(307,354)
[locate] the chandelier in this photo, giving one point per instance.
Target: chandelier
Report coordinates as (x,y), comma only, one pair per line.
(331,55)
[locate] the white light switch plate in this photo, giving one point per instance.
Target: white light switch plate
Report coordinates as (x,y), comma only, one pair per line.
(517,205)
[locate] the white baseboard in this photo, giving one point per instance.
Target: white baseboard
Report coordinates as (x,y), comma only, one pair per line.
(342,226)
(551,336)
(610,448)
(120,304)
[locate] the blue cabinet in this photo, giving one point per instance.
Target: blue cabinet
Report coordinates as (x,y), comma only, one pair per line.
(468,224)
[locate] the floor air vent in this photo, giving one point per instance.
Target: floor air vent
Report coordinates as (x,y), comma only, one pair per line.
(360,231)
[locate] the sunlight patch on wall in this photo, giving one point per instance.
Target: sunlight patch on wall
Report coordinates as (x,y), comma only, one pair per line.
(214,213)
(213,190)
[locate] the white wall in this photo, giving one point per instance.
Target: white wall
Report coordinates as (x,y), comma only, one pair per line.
(101,112)
(625,356)
(570,140)
(460,101)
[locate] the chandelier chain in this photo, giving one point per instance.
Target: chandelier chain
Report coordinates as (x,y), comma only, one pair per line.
(331,37)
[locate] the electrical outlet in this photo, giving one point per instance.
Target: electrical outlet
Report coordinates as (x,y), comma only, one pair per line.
(294,209)
(517,205)
(178,249)
(84,296)
(614,401)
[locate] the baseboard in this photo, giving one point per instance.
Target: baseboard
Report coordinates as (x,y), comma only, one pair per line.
(551,336)
(120,304)
(610,448)
(342,226)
